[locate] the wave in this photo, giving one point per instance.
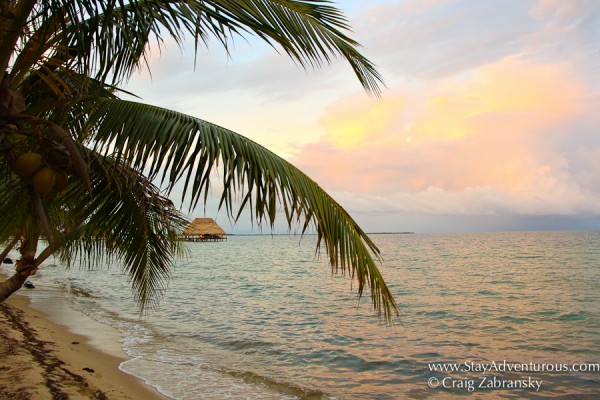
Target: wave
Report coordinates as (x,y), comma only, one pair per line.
(285,388)
(246,344)
(73,289)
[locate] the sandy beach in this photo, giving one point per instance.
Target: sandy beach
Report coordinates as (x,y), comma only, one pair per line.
(44,360)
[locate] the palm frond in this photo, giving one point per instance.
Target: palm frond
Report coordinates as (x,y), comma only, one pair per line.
(308,31)
(15,206)
(125,218)
(110,38)
(188,149)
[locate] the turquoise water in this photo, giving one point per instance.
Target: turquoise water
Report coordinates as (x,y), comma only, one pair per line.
(258,317)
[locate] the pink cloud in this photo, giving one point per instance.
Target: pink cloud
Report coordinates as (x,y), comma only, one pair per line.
(493,138)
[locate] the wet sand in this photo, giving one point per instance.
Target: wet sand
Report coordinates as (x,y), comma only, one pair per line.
(40,359)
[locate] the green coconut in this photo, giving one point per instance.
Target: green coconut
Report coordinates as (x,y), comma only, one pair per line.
(27,164)
(44,180)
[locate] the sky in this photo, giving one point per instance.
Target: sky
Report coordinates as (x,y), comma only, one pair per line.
(489,119)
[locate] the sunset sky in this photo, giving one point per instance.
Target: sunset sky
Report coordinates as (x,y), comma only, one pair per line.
(489,120)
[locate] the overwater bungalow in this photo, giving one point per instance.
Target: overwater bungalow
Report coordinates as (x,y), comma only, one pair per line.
(203,230)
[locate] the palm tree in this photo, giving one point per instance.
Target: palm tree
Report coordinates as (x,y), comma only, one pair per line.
(78,163)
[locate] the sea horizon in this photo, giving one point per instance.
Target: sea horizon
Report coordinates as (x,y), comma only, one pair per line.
(433,232)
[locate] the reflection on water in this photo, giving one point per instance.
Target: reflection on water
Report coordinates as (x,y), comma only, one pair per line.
(258,317)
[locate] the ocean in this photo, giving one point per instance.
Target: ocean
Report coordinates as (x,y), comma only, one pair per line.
(501,315)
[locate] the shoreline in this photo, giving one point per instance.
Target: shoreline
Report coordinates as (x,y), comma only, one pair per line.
(42,359)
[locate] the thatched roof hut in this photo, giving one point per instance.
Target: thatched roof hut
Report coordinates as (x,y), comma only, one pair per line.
(203,229)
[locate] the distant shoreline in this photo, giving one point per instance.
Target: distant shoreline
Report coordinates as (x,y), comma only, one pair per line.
(390,233)
(312,234)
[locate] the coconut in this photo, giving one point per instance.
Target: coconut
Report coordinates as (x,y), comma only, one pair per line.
(61,183)
(27,164)
(43,180)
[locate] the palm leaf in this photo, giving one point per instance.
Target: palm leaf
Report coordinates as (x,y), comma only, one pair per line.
(15,207)
(183,148)
(110,38)
(126,218)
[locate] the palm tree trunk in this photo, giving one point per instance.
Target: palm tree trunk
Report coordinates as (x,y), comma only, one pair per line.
(12,284)
(25,267)
(9,248)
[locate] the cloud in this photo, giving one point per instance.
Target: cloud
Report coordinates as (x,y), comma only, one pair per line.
(570,31)
(354,122)
(437,39)
(490,143)
(583,13)
(252,68)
